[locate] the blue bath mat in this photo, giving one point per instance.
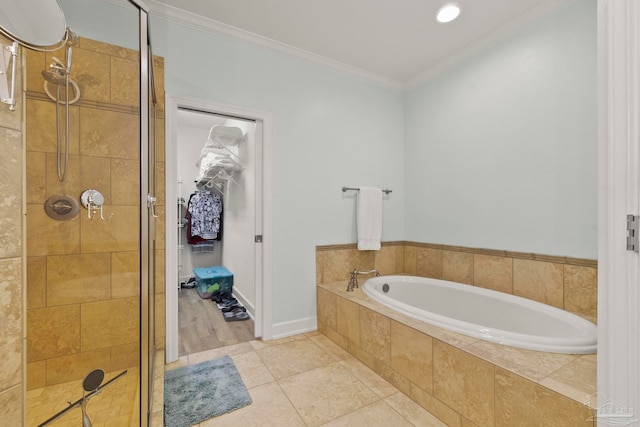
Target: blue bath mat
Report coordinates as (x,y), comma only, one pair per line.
(196,393)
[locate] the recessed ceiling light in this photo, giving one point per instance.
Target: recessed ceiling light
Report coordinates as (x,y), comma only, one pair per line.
(448,13)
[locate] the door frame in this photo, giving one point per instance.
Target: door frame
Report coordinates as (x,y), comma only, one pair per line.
(264,174)
(619,195)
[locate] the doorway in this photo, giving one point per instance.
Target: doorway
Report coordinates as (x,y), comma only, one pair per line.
(243,249)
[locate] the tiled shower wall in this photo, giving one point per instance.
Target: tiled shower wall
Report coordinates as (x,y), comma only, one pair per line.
(11,261)
(568,283)
(83,275)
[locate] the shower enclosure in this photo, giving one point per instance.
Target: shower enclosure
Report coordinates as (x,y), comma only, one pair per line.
(92,211)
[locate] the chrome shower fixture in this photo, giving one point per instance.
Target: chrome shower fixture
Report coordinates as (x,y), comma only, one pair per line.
(59,74)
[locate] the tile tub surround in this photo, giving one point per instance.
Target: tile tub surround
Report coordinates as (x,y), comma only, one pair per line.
(459,379)
(563,282)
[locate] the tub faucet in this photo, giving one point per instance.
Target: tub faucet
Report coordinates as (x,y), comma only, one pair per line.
(353,278)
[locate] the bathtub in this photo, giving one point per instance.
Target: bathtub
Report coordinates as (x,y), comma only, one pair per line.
(485,314)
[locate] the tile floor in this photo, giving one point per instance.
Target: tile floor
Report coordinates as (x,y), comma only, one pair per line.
(308,381)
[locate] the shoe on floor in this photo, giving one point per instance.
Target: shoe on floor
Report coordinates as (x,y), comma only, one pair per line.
(241,315)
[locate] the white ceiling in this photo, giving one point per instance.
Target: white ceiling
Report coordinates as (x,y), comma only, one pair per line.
(393,40)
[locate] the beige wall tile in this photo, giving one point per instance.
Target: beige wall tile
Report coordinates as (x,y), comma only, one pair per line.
(11,404)
(36,63)
(160,228)
(53,332)
(68,368)
(348,320)
(125,356)
(385,260)
(46,236)
(375,335)
(36,282)
(581,290)
(429,263)
(105,133)
(493,272)
(11,321)
(83,172)
(409,260)
(160,318)
(36,374)
(110,323)
(160,280)
(36,177)
(444,413)
(394,378)
(534,365)
(538,280)
(518,399)
(125,274)
(41,128)
(326,310)
(11,188)
(125,81)
(319,266)
(118,234)
(91,71)
(576,380)
(338,264)
(74,279)
(411,355)
(160,140)
(463,382)
(457,267)
(160,178)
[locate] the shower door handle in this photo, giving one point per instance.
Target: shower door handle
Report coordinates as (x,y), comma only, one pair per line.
(151,204)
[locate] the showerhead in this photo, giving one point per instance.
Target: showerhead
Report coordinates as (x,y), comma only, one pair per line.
(55,75)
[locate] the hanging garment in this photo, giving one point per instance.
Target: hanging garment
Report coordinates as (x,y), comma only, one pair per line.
(204,212)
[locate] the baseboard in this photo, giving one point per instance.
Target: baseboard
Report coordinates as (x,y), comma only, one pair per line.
(294,327)
(251,309)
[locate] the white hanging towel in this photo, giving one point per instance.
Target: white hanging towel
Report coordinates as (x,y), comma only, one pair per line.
(369,218)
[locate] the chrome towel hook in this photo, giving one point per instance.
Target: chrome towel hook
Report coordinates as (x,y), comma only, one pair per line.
(93,200)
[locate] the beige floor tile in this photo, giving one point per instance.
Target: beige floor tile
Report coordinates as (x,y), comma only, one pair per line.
(294,357)
(326,393)
(378,414)
(219,352)
(330,347)
(259,344)
(270,407)
(369,378)
(413,412)
(252,370)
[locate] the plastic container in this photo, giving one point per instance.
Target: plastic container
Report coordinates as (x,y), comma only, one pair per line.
(212,279)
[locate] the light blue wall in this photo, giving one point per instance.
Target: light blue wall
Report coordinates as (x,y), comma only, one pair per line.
(330,130)
(500,152)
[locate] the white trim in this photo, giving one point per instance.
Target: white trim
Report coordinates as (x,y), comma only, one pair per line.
(263,303)
(619,179)
(294,327)
(216,28)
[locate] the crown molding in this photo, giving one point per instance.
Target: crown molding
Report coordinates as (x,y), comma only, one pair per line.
(229,32)
(498,35)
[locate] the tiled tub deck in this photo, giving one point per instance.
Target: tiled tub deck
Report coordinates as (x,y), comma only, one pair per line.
(462,380)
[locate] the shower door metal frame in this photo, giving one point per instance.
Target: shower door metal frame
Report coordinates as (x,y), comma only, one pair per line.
(146,221)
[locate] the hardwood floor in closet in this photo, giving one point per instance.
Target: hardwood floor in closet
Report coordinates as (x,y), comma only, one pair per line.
(202,326)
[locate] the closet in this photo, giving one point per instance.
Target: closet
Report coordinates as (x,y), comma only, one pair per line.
(216,158)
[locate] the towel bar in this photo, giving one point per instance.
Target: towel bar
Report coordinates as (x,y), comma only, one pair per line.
(344,189)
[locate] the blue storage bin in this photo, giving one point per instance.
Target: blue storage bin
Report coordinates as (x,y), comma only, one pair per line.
(212,279)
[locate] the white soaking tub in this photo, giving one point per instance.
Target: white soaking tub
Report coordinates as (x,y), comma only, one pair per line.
(485,314)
